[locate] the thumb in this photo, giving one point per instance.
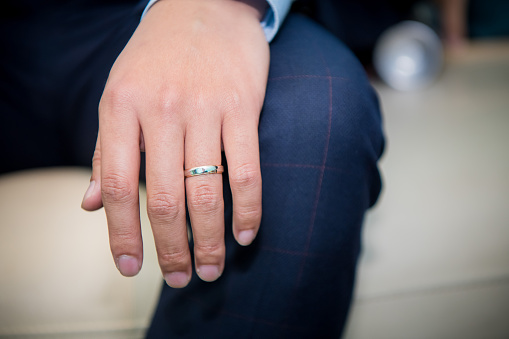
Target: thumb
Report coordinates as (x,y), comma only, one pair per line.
(92,200)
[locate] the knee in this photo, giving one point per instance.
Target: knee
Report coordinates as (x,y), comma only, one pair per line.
(318,84)
(356,132)
(320,109)
(323,118)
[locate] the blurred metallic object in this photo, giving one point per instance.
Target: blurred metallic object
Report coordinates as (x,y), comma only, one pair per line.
(408,56)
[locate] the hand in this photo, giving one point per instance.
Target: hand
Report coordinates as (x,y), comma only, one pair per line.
(191,80)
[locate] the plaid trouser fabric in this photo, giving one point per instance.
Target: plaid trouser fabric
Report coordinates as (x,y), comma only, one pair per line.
(320,139)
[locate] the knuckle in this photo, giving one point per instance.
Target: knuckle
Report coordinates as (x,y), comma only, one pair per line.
(232,102)
(248,215)
(96,159)
(205,197)
(167,98)
(209,249)
(116,96)
(246,176)
(177,257)
(116,188)
(163,204)
(125,236)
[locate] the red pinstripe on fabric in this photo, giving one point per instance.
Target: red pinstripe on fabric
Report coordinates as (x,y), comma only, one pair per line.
(327,168)
(320,180)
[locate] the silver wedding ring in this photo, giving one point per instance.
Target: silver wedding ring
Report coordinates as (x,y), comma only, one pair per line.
(201,170)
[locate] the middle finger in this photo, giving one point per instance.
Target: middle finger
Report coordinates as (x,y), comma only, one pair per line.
(166,202)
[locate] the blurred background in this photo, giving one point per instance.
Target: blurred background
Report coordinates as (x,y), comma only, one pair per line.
(435,260)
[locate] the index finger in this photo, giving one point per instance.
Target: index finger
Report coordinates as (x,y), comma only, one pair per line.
(120,163)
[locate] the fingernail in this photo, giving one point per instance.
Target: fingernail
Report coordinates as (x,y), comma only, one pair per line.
(177,279)
(208,272)
(128,266)
(246,237)
(89,191)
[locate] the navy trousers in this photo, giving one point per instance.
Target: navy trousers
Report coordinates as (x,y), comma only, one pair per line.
(320,140)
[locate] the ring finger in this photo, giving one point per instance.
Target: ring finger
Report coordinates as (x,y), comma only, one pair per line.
(205,198)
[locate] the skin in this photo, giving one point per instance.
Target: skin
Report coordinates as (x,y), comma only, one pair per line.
(190,81)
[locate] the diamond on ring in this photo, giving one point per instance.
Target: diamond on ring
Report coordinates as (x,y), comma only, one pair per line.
(201,170)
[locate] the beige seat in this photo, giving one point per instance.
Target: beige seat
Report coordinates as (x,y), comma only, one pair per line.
(57,278)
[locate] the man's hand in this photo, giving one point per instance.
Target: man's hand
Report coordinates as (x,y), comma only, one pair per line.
(191,80)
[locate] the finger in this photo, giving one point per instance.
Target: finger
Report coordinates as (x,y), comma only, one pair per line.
(240,139)
(166,202)
(120,163)
(92,199)
(205,198)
